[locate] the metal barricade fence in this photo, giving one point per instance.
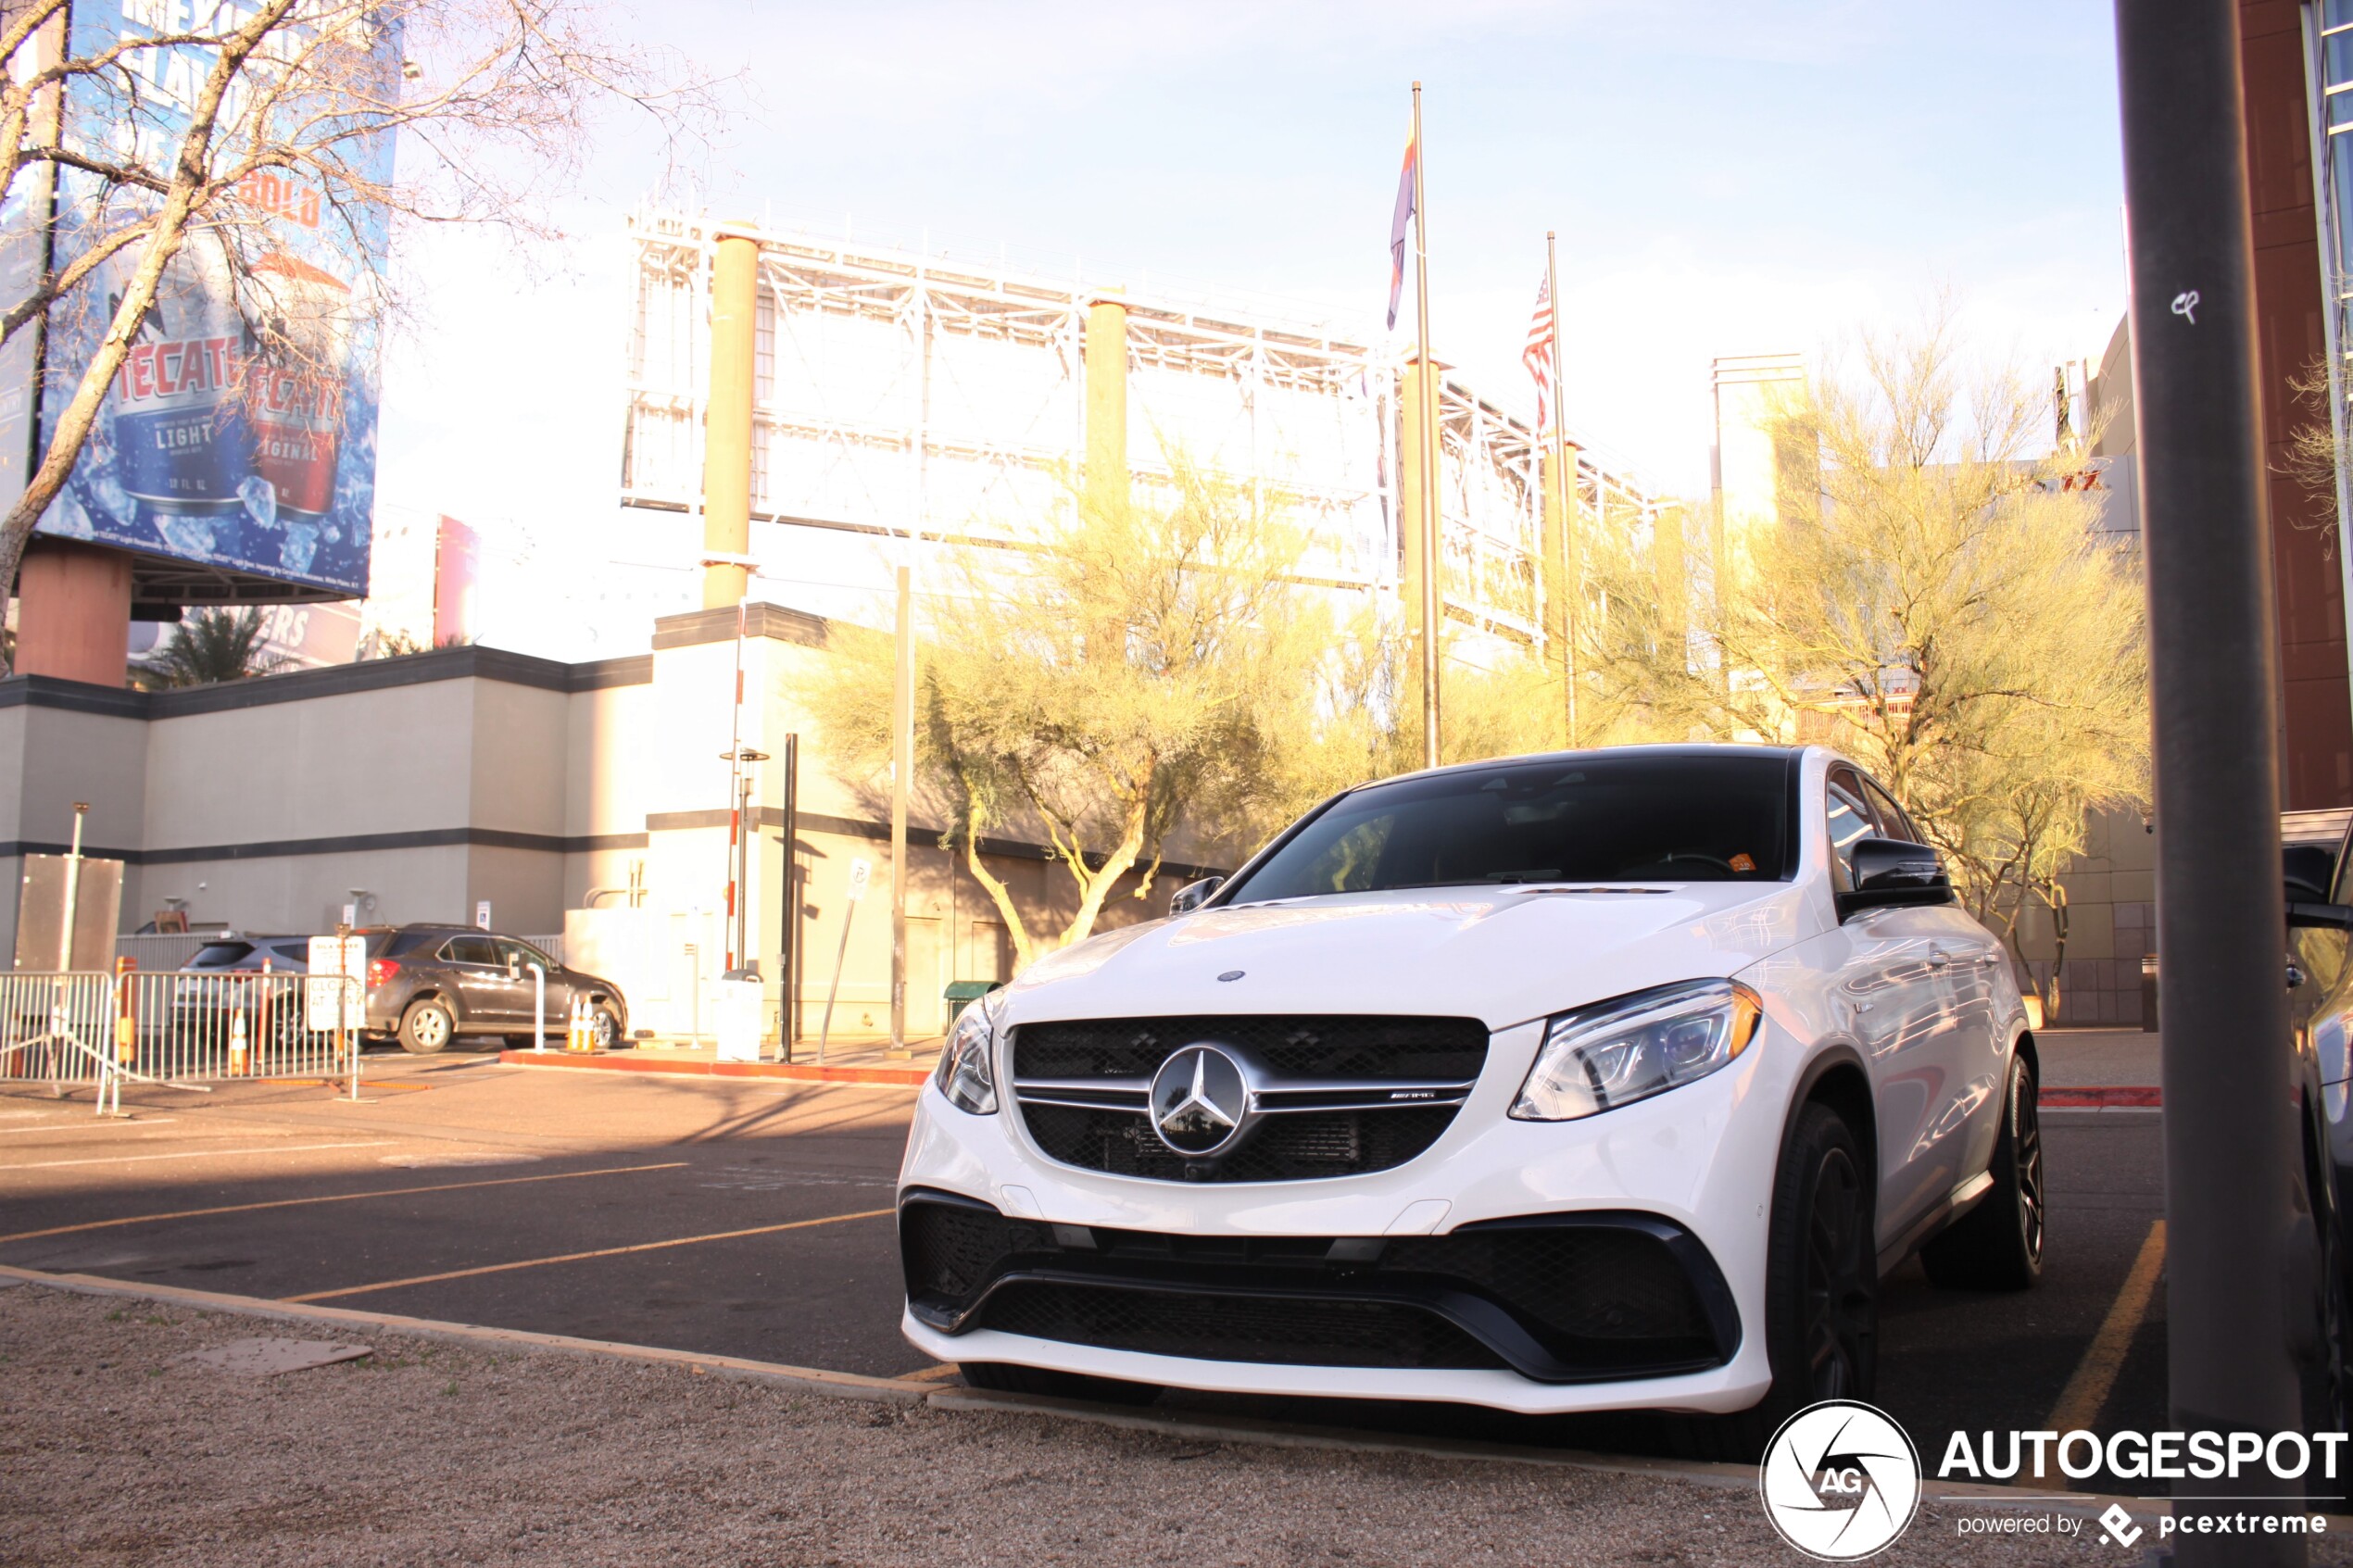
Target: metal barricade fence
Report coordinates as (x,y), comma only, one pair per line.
(185,1029)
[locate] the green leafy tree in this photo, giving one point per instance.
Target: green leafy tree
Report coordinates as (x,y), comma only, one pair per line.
(1148,663)
(1934,602)
(209,645)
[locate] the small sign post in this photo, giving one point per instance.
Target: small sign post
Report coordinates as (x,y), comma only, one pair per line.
(860,871)
(335,995)
(482,914)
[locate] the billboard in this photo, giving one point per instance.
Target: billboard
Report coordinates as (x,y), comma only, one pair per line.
(241,430)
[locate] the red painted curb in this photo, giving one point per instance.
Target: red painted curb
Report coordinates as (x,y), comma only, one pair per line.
(803,1071)
(2101,1097)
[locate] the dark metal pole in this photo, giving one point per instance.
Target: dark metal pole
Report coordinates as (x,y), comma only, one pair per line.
(2221,927)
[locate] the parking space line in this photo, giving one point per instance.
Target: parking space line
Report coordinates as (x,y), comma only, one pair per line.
(2081,1401)
(930,1373)
(578,1257)
(194,1154)
(330,1197)
(78,1124)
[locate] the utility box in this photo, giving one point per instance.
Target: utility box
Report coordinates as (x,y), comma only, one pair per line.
(743,1014)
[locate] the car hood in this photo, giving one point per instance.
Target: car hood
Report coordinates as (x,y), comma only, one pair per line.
(1502,956)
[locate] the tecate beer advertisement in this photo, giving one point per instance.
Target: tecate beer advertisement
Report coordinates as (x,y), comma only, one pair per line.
(241,430)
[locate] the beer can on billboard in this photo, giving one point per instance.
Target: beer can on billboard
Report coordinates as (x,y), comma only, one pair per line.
(297,406)
(182,441)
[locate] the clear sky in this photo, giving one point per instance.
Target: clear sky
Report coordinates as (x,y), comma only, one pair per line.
(1725,178)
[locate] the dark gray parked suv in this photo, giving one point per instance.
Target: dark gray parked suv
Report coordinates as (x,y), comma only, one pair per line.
(427,984)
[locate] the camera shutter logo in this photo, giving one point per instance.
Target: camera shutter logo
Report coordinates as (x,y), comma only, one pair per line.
(1841,1481)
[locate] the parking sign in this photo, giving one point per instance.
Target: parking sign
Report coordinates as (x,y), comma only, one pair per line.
(334,959)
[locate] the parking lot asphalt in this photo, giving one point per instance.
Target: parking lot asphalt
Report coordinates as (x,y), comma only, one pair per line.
(752,1218)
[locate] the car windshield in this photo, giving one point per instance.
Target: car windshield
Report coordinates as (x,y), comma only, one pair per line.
(1631,818)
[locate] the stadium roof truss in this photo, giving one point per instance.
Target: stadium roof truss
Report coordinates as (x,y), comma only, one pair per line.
(899,392)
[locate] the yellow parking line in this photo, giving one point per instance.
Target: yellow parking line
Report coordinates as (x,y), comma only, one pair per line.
(939,1373)
(331,1197)
(577,1257)
(2081,1401)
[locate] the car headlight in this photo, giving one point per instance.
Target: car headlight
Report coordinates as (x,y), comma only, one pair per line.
(1599,1058)
(966,1074)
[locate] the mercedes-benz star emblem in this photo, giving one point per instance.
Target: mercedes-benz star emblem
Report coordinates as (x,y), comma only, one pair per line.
(1200,1100)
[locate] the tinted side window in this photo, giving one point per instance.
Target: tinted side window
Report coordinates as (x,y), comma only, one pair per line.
(522,953)
(1891,816)
(1850,820)
(469,950)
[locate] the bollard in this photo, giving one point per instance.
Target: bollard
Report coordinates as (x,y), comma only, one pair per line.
(125,1035)
(237,1043)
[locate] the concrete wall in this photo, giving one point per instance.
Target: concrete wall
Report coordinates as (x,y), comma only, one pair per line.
(434,781)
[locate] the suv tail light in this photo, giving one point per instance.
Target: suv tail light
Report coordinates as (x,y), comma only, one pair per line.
(382,970)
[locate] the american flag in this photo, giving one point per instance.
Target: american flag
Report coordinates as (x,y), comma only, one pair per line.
(1538,355)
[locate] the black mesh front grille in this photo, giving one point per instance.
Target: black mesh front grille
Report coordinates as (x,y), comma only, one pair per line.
(1294,1146)
(1293,1333)
(1300,1045)
(1574,1296)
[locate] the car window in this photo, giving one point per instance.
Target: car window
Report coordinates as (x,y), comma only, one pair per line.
(1713,817)
(219,955)
(471,949)
(522,953)
(1850,822)
(1893,820)
(2342,891)
(299,952)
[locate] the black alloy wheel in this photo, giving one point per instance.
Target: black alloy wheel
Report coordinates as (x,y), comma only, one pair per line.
(1821,1290)
(1998,1245)
(2327,1374)
(1842,1284)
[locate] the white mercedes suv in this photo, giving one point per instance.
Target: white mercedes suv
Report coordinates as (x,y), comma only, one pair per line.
(1599,1080)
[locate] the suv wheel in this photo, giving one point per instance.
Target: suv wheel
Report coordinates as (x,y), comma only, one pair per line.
(605,1030)
(1821,1290)
(427,1027)
(1998,1245)
(1008,1378)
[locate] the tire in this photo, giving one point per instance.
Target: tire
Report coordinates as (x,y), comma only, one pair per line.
(1998,1245)
(2326,1373)
(428,1027)
(605,1032)
(1821,1290)
(1006,1377)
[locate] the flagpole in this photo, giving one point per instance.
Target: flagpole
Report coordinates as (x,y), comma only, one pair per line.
(1565,479)
(1433,600)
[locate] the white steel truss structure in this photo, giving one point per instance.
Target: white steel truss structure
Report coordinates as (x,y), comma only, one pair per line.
(907,395)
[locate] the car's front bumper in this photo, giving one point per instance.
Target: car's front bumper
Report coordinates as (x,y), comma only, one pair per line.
(1696,1163)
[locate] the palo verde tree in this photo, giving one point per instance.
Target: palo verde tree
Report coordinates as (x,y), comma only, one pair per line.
(1143,662)
(1934,601)
(152,149)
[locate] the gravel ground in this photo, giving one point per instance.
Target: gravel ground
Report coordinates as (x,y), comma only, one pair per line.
(113,1450)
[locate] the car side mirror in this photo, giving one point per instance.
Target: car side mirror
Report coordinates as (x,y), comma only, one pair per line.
(1891,873)
(1193,894)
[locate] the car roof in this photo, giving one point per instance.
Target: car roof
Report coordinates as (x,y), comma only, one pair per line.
(1670,748)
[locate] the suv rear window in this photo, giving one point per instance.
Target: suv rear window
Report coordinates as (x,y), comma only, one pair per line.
(219,955)
(1717,817)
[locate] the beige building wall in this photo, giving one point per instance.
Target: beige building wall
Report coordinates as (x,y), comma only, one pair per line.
(423,785)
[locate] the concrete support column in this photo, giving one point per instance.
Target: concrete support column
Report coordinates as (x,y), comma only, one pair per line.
(726,469)
(1106,474)
(1410,449)
(73,612)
